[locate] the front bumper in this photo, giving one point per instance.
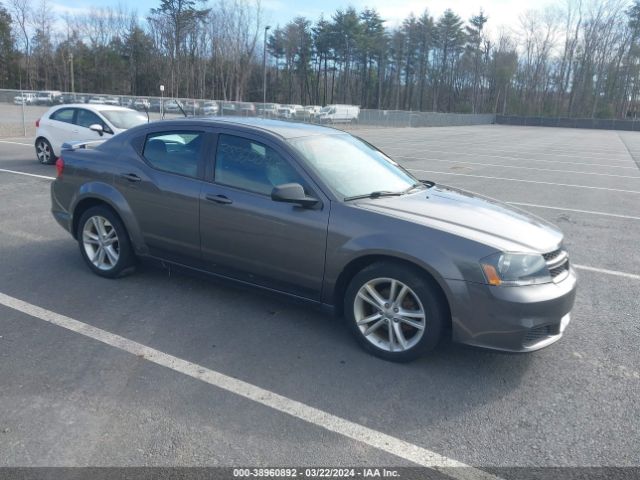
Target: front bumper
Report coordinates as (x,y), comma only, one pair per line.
(515,319)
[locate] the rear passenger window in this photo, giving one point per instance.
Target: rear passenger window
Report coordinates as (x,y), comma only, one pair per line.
(63,115)
(252,166)
(175,152)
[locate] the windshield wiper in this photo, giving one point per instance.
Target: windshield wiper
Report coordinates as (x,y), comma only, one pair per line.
(387,193)
(413,187)
(376,194)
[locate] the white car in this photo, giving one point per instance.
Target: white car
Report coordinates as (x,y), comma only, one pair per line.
(27,98)
(80,123)
(290,111)
(312,111)
(48,98)
(210,108)
(173,106)
(141,104)
(97,101)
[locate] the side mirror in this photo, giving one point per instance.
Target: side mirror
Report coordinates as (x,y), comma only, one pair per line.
(292,193)
(97,128)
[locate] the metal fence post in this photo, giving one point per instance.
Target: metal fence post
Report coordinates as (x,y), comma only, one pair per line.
(24,123)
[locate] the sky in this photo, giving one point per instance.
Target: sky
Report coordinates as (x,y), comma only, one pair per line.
(279,12)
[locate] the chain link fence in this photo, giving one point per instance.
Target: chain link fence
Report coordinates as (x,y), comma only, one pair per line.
(19,111)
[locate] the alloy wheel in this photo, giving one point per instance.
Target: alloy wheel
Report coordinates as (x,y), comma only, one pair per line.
(389,314)
(100,242)
(43,151)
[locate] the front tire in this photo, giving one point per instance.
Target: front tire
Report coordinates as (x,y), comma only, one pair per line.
(44,152)
(394,311)
(104,243)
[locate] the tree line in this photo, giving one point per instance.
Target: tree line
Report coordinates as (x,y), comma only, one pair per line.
(580,58)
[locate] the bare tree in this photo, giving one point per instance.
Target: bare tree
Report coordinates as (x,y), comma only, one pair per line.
(21,15)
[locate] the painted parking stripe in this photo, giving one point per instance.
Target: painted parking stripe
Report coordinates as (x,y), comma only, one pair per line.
(549,150)
(538,161)
(616,273)
(16,143)
(627,164)
(622,156)
(525,181)
(617,215)
(315,416)
(26,174)
(520,167)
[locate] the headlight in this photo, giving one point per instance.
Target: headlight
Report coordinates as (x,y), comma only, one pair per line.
(511,269)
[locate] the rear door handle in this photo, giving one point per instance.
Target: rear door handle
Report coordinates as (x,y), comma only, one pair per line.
(132,177)
(218,199)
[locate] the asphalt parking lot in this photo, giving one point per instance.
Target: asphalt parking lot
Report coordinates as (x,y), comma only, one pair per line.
(69,398)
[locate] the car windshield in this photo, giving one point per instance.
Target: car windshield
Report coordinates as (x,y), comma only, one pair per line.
(351,167)
(124,118)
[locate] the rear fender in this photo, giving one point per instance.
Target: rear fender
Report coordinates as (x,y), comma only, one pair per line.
(112,197)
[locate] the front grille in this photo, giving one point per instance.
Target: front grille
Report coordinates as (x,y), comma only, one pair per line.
(551,255)
(558,264)
(559,270)
(534,335)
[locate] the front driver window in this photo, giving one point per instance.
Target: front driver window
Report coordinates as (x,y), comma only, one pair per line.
(175,152)
(85,118)
(251,165)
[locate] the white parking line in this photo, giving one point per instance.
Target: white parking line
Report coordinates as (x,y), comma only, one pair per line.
(533,150)
(315,416)
(634,168)
(621,156)
(16,143)
(617,215)
(519,167)
(616,273)
(526,181)
(27,174)
(629,162)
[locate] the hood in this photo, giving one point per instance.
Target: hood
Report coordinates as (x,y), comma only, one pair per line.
(471,216)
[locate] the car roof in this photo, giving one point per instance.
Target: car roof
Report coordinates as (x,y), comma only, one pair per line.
(93,106)
(277,127)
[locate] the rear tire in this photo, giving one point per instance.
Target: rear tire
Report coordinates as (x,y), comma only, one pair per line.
(104,243)
(394,311)
(44,152)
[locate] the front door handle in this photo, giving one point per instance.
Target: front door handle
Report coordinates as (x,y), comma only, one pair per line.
(219,199)
(132,177)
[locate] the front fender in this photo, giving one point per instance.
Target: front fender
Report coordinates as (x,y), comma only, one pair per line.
(412,249)
(111,196)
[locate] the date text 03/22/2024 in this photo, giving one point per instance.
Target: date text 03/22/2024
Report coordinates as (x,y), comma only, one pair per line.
(315,473)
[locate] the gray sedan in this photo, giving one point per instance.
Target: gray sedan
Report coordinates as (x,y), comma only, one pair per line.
(317,214)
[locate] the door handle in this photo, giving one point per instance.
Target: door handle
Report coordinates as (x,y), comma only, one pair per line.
(218,199)
(132,177)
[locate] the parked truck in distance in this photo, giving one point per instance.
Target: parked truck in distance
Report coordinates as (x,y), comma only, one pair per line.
(339,114)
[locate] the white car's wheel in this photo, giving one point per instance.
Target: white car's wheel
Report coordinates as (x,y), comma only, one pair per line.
(44,151)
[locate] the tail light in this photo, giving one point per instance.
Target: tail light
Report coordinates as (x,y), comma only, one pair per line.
(38,123)
(59,166)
